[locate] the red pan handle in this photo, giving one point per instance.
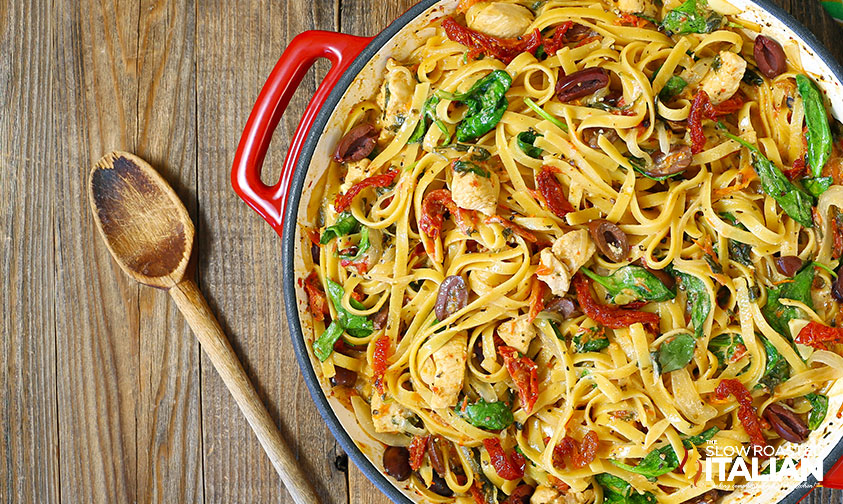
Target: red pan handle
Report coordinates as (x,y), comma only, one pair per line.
(300,55)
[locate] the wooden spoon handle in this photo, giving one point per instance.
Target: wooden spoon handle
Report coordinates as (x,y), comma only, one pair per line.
(216,346)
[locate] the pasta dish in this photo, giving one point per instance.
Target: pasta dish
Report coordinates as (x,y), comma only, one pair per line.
(570,247)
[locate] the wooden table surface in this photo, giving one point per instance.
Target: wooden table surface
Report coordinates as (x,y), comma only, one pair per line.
(106,396)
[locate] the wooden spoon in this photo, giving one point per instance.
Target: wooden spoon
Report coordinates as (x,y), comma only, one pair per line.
(149,233)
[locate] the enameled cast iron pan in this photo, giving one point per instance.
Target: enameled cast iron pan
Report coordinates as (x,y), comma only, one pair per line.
(356,72)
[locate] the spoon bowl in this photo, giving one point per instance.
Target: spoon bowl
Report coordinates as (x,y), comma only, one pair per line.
(144,224)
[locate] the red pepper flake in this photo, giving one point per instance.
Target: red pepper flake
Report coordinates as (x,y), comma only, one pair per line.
(579,454)
(524,373)
(701,109)
(817,335)
(552,193)
(343,201)
(379,360)
(509,467)
(503,49)
(515,228)
(316,298)
(747,413)
(610,316)
(536,298)
(418,447)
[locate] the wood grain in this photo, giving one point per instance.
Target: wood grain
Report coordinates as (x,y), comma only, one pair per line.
(106,397)
(29,438)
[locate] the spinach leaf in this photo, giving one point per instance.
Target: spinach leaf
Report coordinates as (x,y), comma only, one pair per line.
(676,353)
(486,102)
(355,325)
(779,315)
(725,346)
(428,116)
(345,224)
(819,132)
(664,460)
(362,246)
(777,369)
(673,87)
(698,299)
(700,438)
(819,408)
(640,166)
(526,141)
(635,283)
(657,463)
(794,201)
(469,167)
(618,491)
(592,340)
(817,186)
(491,416)
(693,16)
(324,345)
(738,251)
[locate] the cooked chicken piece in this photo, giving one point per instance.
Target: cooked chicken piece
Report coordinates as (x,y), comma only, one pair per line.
(444,371)
(568,254)
(357,172)
(517,333)
(554,273)
(395,98)
(549,495)
(388,415)
(471,191)
(723,80)
(645,7)
(498,19)
(574,249)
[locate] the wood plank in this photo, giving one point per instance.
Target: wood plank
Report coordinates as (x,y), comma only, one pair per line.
(96,306)
(95,110)
(169,416)
(29,469)
(237,46)
(367,18)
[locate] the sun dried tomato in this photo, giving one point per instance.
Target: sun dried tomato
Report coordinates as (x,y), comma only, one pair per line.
(740,351)
(610,316)
(434,206)
(579,454)
(558,484)
(552,193)
(515,228)
(551,46)
(510,467)
(379,360)
(316,298)
(343,201)
(701,109)
(536,298)
(361,266)
(628,19)
(503,49)
(418,446)
(524,373)
(817,335)
(747,413)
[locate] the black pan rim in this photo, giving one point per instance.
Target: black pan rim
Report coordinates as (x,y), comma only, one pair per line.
(288,242)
